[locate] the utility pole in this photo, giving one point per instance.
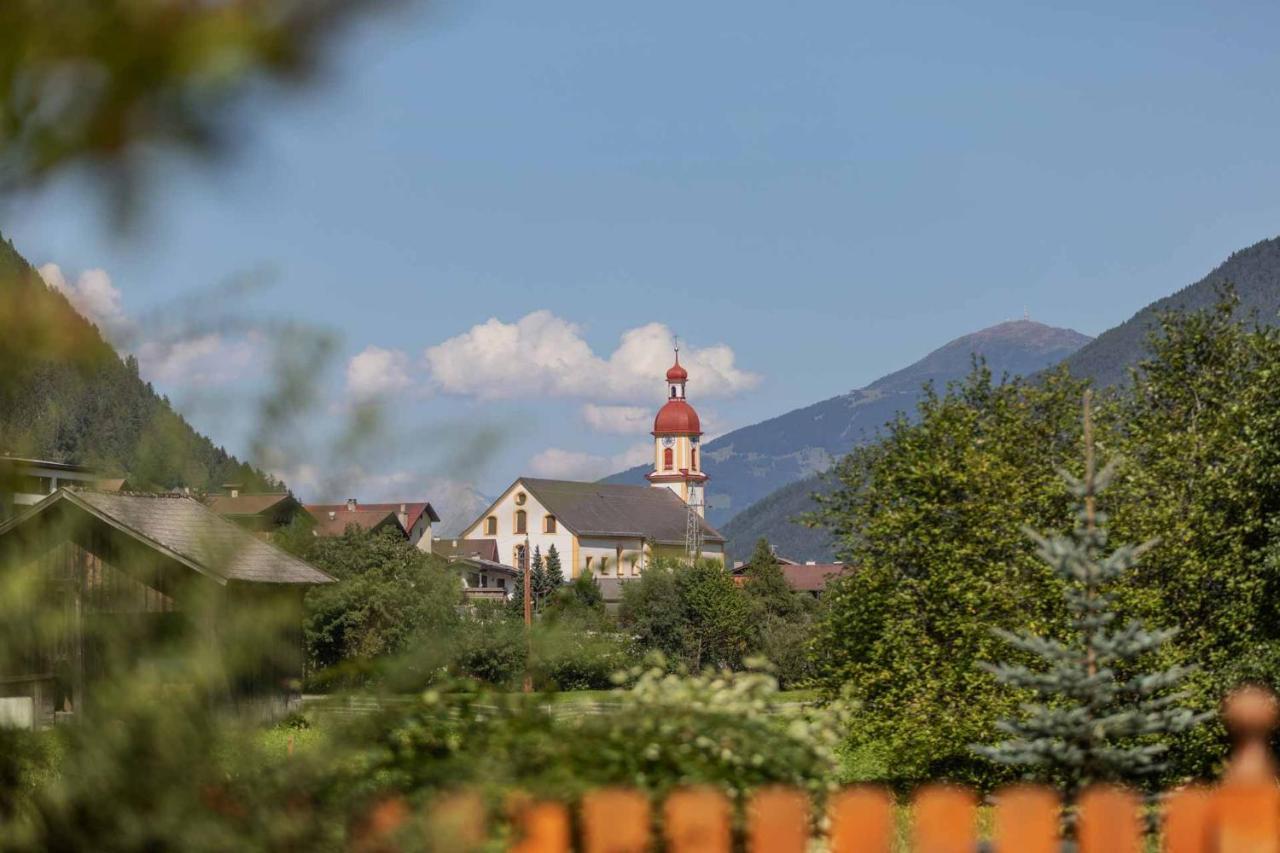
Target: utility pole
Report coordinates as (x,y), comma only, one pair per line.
(528,619)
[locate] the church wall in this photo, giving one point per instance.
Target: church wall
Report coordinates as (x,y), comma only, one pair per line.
(606,548)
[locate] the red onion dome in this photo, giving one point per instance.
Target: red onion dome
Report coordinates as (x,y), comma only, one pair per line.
(677,373)
(677,417)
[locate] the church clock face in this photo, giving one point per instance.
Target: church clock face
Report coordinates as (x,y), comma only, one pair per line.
(668,441)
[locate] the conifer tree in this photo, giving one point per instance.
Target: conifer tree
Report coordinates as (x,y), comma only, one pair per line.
(1096,715)
(766,584)
(538,579)
(555,574)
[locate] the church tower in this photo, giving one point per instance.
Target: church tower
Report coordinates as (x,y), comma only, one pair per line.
(677,438)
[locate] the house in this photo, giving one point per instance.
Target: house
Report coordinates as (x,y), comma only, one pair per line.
(111,568)
(607,529)
(259,513)
(334,519)
(25,482)
(476,561)
(810,578)
(414,518)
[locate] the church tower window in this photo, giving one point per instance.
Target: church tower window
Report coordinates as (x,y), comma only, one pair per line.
(668,459)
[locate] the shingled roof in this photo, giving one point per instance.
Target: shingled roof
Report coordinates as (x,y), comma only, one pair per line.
(247,504)
(182,529)
(608,509)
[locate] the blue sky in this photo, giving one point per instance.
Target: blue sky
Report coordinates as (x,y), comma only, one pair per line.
(826,191)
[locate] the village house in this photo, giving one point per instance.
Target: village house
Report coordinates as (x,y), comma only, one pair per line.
(146,568)
(26,482)
(259,513)
(810,578)
(483,575)
(414,519)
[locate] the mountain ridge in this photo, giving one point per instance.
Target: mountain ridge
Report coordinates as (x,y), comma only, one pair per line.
(751,462)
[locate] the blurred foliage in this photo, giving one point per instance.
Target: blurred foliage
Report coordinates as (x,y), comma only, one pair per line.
(104,84)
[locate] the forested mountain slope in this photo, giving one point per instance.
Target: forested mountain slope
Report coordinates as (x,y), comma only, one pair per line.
(1255,274)
(749,463)
(67,396)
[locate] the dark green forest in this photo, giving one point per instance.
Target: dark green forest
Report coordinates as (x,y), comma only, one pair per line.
(68,396)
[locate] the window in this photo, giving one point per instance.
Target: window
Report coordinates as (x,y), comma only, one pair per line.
(473,580)
(491,526)
(588,564)
(521,523)
(673,392)
(604,565)
(521,497)
(693,459)
(668,459)
(549,524)
(633,566)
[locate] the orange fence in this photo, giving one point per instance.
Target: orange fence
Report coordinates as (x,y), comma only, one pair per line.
(1242,814)
(1236,817)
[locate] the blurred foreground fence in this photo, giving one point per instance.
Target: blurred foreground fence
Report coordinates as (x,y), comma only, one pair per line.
(1236,817)
(1241,815)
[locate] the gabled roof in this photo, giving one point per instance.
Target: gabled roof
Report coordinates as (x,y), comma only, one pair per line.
(334,522)
(485,549)
(182,529)
(247,504)
(804,577)
(413,511)
(609,509)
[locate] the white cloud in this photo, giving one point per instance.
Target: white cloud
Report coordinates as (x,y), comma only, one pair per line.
(376,372)
(619,419)
(560,464)
(183,357)
(205,360)
(93,296)
(543,355)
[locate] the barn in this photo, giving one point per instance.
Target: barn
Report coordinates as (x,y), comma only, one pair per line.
(87,574)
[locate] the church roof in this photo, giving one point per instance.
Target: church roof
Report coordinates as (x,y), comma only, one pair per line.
(609,509)
(677,418)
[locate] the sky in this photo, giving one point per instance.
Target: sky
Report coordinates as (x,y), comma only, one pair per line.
(503,212)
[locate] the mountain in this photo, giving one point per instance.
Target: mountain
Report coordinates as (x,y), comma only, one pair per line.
(749,463)
(67,396)
(1255,273)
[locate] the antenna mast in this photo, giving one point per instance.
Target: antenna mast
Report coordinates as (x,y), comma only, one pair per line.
(693,526)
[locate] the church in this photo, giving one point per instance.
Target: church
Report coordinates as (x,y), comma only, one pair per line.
(613,531)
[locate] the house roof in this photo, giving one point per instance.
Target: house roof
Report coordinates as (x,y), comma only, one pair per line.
(485,549)
(804,577)
(44,463)
(185,530)
(413,511)
(487,565)
(246,504)
(335,521)
(609,509)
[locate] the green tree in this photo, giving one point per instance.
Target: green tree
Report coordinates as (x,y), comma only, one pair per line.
(538,579)
(1097,715)
(930,518)
(694,613)
(555,573)
(389,594)
(766,585)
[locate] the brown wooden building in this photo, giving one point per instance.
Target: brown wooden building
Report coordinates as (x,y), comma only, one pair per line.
(83,572)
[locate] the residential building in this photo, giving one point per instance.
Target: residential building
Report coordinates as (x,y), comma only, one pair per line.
(260,513)
(26,482)
(415,518)
(476,561)
(810,578)
(130,566)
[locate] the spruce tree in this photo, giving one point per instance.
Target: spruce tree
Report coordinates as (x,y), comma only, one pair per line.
(766,585)
(538,579)
(1096,714)
(555,574)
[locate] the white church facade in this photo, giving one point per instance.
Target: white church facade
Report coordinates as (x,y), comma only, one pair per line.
(612,530)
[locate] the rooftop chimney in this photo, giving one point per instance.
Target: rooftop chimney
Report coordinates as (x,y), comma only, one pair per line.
(332,515)
(351,504)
